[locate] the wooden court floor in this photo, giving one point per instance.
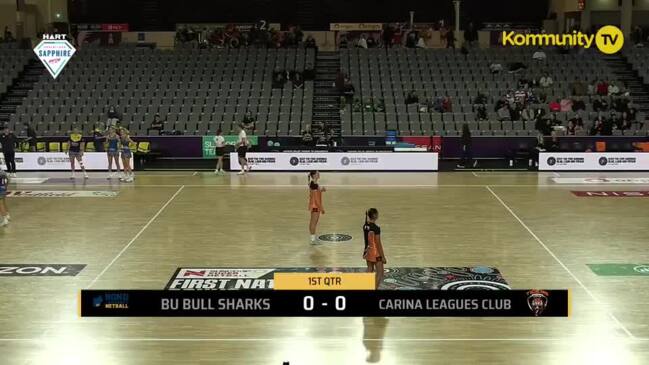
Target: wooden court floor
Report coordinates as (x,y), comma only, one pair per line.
(532,229)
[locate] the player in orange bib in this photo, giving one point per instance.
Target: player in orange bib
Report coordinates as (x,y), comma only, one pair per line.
(373,253)
(315,203)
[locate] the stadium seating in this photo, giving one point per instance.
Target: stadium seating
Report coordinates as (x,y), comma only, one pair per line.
(195,91)
(389,75)
(12,61)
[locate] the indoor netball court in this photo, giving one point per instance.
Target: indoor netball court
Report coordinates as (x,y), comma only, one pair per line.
(501,230)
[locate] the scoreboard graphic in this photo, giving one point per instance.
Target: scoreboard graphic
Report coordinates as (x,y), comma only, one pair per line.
(396,278)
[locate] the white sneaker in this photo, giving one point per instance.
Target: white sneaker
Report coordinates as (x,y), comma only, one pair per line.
(13,174)
(4,222)
(241,172)
(8,217)
(72,177)
(85,176)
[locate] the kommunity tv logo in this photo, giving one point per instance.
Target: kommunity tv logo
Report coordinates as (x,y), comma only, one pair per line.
(608,39)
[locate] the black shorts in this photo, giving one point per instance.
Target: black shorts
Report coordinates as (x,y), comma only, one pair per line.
(220,151)
(241,151)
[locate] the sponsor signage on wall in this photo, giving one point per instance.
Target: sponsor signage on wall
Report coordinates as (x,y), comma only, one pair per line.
(612,194)
(593,161)
(61,194)
(209,147)
(40,269)
(602,180)
(58,161)
(338,161)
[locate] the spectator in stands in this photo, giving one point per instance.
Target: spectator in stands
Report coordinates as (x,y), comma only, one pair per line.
(566,105)
(309,71)
(554,120)
(8,37)
(495,68)
(32,139)
(248,121)
(631,112)
(412,97)
(555,106)
(470,35)
(371,42)
(624,122)
(481,112)
(539,55)
(362,42)
(600,104)
(450,38)
(592,88)
(447,104)
(298,80)
(342,43)
(113,117)
(310,42)
(613,89)
(421,43)
(542,125)
(527,114)
(637,36)
(614,119)
(578,104)
(576,120)
(578,88)
(9,142)
(515,111)
(411,39)
(307,136)
(546,80)
(388,33)
(467,154)
(602,88)
(480,98)
(503,112)
(598,127)
(156,125)
(279,79)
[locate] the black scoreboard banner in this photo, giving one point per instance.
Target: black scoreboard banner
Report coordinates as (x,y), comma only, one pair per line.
(319,303)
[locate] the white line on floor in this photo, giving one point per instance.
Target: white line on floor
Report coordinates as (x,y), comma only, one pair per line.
(136,236)
(292,339)
(350,186)
(599,302)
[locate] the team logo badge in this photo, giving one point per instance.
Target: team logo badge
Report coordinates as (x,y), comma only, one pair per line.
(603,161)
(294,161)
(537,301)
(345,161)
(335,237)
(552,161)
(55,52)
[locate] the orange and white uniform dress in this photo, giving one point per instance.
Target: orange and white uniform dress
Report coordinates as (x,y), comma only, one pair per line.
(373,249)
(315,198)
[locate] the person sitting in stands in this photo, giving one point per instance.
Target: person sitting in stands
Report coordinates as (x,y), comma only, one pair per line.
(249,121)
(539,55)
(447,104)
(555,106)
(362,42)
(307,136)
(598,128)
(310,42)
(613,89)
(156,125)
(279,78)
(298,80)
(504,113)
(527,114)
(412,97)
(371,42)
(600,104)
(578,104)
(602,88)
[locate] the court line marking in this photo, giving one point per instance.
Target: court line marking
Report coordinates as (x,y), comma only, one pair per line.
(137,235)
(351,186)
(581,284)
(343,339)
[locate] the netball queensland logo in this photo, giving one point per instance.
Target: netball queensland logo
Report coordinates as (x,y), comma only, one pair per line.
(54,51)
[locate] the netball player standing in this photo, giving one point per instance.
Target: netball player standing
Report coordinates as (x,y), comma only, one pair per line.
(75,151)
(125,141)
(242,149)
(315,203)
(112,152)
(4,212)
(373,253)
(219,145)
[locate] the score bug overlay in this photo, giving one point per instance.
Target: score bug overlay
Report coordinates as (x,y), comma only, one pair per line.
(326,303)
(324,281)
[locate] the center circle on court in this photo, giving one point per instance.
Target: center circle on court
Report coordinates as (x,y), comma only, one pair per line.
(334,237)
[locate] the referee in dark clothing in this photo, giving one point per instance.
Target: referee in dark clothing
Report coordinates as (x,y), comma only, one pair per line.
(8,141)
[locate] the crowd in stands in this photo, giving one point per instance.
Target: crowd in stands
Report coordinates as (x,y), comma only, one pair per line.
(234,36)
(7,36)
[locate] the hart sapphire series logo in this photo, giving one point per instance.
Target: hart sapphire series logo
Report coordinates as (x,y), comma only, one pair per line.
(55,52)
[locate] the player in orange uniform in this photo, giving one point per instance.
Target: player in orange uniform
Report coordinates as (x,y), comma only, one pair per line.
(315,202)
(373,253)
